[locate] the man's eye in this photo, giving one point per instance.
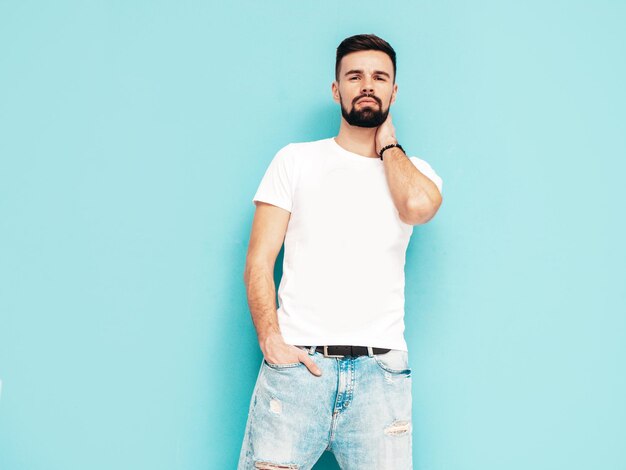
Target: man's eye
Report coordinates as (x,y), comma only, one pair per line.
(352,78)
(380,78)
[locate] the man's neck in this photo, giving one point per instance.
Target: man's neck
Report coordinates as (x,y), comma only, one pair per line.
(359,140)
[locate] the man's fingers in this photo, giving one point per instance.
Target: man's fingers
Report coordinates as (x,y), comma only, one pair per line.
(312,366)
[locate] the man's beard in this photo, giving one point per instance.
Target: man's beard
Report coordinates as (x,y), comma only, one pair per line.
(365,116)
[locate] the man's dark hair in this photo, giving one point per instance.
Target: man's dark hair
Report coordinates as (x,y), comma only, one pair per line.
(364,42)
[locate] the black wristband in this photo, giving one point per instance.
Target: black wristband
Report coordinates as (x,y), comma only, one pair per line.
(380,154)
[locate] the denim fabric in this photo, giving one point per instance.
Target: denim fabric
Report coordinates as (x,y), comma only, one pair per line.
(359,409)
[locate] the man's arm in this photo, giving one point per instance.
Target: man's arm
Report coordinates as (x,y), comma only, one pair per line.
(268,233)
(415,196)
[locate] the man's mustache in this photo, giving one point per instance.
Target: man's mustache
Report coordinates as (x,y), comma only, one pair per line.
(372,97)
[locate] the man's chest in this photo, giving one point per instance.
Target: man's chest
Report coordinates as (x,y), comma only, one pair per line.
(342,203)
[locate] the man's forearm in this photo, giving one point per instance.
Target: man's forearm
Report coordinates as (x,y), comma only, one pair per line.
(261,293)
(415,196)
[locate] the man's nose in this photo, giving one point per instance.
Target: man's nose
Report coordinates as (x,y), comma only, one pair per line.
(367,86)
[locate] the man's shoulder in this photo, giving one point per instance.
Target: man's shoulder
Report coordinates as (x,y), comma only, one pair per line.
(306,146)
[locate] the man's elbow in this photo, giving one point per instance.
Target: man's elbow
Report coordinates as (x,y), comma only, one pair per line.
(420,212)
(256,267)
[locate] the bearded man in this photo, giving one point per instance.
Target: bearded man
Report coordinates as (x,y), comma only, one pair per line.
(335,373)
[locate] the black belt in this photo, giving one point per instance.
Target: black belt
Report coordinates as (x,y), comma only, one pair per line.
(340,351)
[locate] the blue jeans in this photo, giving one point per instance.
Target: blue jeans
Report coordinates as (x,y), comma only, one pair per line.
(359,409)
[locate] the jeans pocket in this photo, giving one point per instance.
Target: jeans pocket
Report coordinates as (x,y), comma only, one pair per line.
(395,361)
(285,366)
(282,366)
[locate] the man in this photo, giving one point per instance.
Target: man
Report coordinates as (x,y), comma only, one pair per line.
(335,374)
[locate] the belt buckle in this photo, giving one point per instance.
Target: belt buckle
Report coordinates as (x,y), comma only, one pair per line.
(330,355)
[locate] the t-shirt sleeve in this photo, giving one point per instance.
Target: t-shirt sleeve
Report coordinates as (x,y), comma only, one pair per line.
(276,186)
(424,167)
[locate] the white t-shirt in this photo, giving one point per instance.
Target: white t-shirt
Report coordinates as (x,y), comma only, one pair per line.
(345,246)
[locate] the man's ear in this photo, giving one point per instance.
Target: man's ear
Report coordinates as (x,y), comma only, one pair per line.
(335,90)
(393,93)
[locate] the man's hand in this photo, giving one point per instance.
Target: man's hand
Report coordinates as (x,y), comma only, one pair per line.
(276,351)
(385,134)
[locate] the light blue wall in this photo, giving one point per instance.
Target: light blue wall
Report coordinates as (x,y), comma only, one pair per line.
(133,137)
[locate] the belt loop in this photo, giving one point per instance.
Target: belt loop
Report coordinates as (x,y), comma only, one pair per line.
(312,350)
(370,351)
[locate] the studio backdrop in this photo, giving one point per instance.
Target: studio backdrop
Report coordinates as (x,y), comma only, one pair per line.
(133,136)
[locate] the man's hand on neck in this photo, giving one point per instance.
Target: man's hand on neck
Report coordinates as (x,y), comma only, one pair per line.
(385,134)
